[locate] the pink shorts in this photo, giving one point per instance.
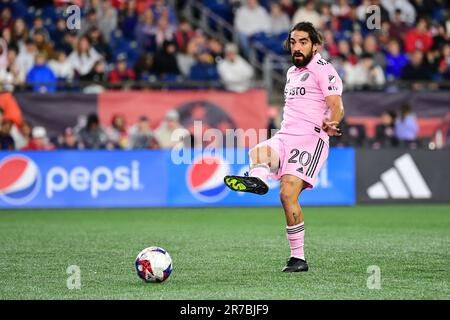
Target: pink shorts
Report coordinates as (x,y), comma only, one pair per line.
(300,155)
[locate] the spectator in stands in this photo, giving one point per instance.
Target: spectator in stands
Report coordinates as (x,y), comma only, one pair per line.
(25,59)
(92,136)
(117,132)
(160,8)
(23,135)
(357,43)
(308,13)
(234,71)
(163,31)
(183,35)
(3,54)
(440,36)
(57,35)
(165,64)
(141,136)
(6,77)
(70,42)
(385,131)
(6,140)
(250,19)
(13,67)
(89,21)
(416,70)
(42,76)
(39,140)
(371,47)
(397,27)
(345,51)
(186,60)
(418,38)
(279,20)
(10,74)
(98,43)
(43,45)
(406,126)
(170,133)
(84,57)
(205,68)
(395,60)
(128,19)
(444,62)
(145,35)
(20,34)
(365,75)
(339,9)
(97,74)
(215,49)
(61,67)
(144,67)
(121,72)
(107,18)
(349,22)
(6,19)
(68,140)
(39,26)
(325,16)
(407,11)
(330,48)
(288,7)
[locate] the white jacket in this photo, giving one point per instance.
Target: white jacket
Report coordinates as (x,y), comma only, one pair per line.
(250,21)
(236,74)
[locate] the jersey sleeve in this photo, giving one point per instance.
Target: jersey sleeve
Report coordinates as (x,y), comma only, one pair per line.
(329,81)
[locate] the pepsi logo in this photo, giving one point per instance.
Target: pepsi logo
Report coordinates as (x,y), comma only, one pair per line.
(205,178)
(20,179)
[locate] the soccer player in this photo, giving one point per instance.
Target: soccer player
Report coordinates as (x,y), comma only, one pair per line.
(295,154)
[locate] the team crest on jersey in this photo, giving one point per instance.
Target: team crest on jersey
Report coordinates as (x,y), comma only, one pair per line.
(331,78)
(304,77)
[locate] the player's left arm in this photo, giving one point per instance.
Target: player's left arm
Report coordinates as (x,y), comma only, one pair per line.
(331,125)
(331,85)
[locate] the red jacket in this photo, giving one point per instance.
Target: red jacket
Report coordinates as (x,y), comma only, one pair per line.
(116,77)
(416,41)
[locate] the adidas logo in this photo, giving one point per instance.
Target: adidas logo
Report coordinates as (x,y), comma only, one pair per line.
(403,181)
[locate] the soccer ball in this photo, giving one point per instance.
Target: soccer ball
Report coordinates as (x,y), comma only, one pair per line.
(153,264)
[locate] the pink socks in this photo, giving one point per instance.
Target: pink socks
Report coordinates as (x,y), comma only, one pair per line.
(296,236)
(261,171)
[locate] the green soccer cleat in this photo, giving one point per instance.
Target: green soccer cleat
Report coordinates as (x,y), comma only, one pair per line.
(246,184)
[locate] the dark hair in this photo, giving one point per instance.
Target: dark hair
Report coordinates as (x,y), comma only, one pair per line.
(314,35)
(91,120)
(405,109)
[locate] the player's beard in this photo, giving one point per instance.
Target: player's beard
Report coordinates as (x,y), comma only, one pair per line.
(302,62)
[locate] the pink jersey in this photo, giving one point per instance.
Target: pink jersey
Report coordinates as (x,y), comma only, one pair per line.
(305,92)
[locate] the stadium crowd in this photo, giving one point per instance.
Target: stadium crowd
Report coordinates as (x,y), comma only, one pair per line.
(149,40)
(120,42)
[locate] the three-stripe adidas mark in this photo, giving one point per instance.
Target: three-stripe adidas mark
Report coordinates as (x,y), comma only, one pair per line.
(296,229)
(403,181)
(315,158)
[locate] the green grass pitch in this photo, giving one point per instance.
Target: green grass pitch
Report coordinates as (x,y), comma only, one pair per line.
(227,253)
